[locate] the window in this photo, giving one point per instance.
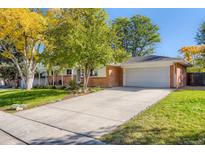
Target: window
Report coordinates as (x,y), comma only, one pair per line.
(93,73)
(69,71)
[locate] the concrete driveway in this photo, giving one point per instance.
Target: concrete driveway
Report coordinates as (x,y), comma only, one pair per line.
(79,120)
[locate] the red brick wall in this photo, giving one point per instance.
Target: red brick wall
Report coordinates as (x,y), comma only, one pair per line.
(98,81)
(114,78)
(57,78)
(180,71)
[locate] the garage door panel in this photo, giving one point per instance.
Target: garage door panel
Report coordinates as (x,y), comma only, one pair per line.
(147,77)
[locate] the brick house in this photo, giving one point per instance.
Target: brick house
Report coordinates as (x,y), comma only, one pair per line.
(147,71)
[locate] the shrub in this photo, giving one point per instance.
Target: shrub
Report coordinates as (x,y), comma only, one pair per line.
(95,89)
(60,87)
(73,85)
(40,87)
(63,87)
(35,87)
(50,87)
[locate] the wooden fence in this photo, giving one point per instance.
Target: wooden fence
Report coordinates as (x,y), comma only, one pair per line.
(196,79)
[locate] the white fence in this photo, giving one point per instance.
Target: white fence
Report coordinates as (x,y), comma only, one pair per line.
(2,82)
(41,82)
(36,82)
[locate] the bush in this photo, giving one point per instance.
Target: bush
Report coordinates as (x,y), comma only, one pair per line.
(63,87)
(73,85)
(43,87)
(95,89)
(60,87)
(39,87)
(50,87)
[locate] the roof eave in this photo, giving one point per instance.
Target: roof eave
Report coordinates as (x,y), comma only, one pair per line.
(145,64)
(183,62)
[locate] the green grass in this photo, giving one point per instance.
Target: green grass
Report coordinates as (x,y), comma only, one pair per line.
(31,98)
(177,119)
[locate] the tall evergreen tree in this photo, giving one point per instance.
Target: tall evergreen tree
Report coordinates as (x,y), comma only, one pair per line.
(200,35)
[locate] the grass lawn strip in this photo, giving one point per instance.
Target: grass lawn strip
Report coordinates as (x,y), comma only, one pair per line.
(177,119)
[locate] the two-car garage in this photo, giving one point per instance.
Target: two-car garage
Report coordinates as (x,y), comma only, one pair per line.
(147,77)
(154,71)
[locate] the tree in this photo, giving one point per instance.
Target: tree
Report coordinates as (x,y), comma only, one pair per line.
(195,55)
(22,31)
(137,35)
(57,55)
(200,35)
(85,40)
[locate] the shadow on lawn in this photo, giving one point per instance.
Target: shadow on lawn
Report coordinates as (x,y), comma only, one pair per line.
(137,135)
(22,96)
(7,91)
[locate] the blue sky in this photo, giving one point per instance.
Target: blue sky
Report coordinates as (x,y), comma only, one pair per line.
(178,27)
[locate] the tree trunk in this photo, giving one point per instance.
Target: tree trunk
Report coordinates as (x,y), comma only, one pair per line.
(86,79)
(53,77)
(53,80)
(29,80)
(45,81)
(39,79)
(62,78)
(16,80)
(84,82)
(72,74)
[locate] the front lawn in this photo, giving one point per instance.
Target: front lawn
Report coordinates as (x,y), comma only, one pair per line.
(31,98)
(177,119)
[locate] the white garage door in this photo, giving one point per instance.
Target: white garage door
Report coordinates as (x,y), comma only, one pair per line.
(147,77)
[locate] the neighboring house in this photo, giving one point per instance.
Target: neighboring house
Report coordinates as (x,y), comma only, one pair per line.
(148,71)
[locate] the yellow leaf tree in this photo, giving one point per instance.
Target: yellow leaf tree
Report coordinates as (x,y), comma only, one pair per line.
(190,53)
(22,33)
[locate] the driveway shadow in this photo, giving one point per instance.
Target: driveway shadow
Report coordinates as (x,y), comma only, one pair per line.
(74,139)
(86,138)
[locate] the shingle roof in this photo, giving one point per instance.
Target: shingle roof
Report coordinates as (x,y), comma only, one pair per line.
(151,58)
